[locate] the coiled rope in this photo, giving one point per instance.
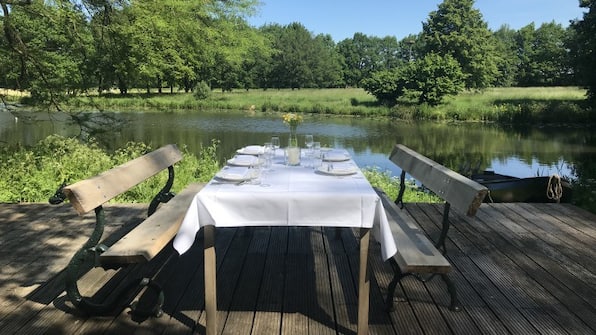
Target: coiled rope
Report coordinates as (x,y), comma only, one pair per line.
(554,189)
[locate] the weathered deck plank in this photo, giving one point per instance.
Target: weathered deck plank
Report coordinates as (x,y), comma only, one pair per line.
(268,312)
(519,269)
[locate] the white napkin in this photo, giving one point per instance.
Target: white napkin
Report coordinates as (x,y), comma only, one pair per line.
(244,160)
(335,156)
(342,168)
(233,173)
(253,149)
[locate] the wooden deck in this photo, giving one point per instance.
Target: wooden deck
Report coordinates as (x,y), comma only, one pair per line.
(519,269)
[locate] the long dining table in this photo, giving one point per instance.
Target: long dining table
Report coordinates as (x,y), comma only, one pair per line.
(335,194)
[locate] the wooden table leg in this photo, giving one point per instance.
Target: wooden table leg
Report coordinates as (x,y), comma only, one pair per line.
(363,283)
(210,280)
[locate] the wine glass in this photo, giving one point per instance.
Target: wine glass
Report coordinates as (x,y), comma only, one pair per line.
(308,140)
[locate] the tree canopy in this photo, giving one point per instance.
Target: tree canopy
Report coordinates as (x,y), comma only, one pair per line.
(61,47)
(72,46)
(583,48)
(457,29)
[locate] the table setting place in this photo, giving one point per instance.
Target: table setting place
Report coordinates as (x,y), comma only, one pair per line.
(292,186)
(262,185)
(254,164)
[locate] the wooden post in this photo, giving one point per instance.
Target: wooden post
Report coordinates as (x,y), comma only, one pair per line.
(210,280)
(363,283)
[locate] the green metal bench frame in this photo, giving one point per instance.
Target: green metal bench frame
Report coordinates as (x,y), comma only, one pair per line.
(458,192)
(92,193)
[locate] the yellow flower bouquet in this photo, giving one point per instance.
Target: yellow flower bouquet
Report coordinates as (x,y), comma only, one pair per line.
(292,120)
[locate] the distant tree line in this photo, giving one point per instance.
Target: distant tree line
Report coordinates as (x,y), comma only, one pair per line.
(56,48)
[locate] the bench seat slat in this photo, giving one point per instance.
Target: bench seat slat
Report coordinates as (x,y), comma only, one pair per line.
(415,252)
(147,239)
(463,194)
(90,193)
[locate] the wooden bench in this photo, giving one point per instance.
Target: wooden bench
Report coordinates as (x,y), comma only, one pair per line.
(142,243)
(416,254)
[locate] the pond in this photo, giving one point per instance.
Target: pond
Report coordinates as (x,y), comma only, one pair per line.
(518,151)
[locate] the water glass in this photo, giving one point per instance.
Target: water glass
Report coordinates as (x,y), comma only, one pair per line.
(316,146)
(307,154)
(255,172)
(268,153)
(275,143)
(317,162)
(317,158)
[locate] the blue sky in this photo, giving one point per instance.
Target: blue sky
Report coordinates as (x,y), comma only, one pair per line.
(399,18)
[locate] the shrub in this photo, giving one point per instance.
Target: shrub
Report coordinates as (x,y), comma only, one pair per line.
(390,185)
(202,91)
(33,174)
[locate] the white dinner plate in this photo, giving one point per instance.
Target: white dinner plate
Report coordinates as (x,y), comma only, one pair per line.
(243,160)
(233,174)
(335,157)
(341,171)
(251,150)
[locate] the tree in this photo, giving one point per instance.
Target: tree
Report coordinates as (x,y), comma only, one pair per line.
(410,48)
(458,30)
(293,48)
(390,85)
(364,55)
(542,56)
(257,65)
(584,49)
(328,64)
(437,76)
(68,45)
(551,55)
(430,79)
(298,59)
(49,44)
(507,60)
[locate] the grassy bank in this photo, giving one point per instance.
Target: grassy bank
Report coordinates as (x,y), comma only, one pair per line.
(504,105)
(324,101)
(518,104)
(542,104)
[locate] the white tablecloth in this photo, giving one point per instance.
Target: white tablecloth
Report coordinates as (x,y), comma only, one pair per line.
(289,196)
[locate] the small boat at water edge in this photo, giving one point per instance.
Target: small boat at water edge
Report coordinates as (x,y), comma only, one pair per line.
(532,189)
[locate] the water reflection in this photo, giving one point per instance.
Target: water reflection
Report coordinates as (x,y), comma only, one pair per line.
(518,151)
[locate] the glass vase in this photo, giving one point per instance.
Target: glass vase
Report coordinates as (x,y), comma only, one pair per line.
(293,150)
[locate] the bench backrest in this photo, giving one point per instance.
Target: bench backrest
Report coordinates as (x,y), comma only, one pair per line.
(463,194)
(88,194)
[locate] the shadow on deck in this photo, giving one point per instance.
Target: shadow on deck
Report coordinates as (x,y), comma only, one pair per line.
(519,269)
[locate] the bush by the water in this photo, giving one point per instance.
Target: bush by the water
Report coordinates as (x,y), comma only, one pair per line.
(202,91)
(32,174)
(390,185)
